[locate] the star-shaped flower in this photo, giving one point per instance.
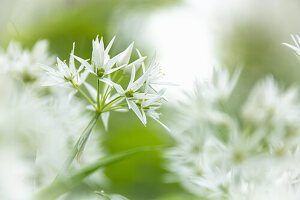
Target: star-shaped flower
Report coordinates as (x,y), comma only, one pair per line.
(64,74)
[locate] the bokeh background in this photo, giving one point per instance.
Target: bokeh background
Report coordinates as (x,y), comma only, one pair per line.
(190,37)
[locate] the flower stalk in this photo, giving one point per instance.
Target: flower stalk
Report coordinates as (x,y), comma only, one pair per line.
(80,144)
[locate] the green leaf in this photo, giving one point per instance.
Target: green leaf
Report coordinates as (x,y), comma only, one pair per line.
(105,196)
(65,183)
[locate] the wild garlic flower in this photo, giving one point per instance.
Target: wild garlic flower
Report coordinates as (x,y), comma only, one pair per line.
(34,151)
(295,47)
(102,65)
(220,153)
(23,64)
(109,95)
(66,75)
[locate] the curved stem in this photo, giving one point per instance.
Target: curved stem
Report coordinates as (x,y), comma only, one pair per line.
(64,184)
(80,144)
(113,101)
(84,95)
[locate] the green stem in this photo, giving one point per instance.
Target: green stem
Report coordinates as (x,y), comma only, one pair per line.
(107,93)
(114,108)
(64,184)
(80,144)
(103,99)
(84,95)
(113,101)
(98,94)
(109,108)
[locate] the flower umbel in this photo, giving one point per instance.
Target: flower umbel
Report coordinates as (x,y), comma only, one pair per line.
(111,72)
(66,75)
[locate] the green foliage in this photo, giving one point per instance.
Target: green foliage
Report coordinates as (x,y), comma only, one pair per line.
(65,183)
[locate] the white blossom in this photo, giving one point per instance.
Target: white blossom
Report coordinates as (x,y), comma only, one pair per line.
(224,154)
(109,95)
(296,48)
(66,74)
(24,64)
(42,139)
(102,65)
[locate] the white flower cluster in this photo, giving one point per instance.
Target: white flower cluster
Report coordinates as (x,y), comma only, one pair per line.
(23,64)
(37,131)
(109,94)
(230,152)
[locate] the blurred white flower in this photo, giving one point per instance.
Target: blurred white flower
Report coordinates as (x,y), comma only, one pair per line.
(220,154)
(279,107)
(223,83)
(38,131)
(296,48)
(15,172)
(23,64)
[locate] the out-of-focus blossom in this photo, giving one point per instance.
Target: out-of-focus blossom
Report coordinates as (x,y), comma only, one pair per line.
(23,64)
(37,131)
(38,148)
(224,154)
(296,48)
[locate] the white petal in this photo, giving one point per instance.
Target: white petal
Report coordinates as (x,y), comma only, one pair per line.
(137,63)
(113,70)
(292,47)
(143,64)
(98,52)
(102,53)
(132,77)
(62,68)
(110,63)
(87,65)
(71,61)
(124,57)
(118,87)
(163,125)
(83,76)
(144,116)
(109,45)
(121,110)
(47,68)
(129,104)
(136,110)
(139,83)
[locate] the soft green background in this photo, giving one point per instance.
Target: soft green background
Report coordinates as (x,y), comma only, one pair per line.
(248,43)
